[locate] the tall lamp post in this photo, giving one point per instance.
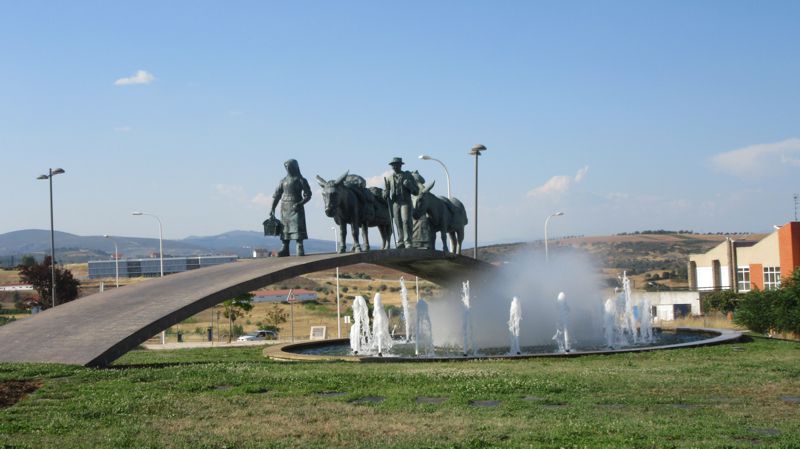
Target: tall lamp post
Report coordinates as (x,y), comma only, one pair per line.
(476,151)
(161,257)
(425,157)
(338,300)
(116,257)
(546,221)
(160,238)
(52,172)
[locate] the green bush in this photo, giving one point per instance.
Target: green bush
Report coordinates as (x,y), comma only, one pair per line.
(722,301)
(755,311)
(772,310)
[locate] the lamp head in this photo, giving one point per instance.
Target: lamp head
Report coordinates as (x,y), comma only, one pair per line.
(58,171)
(424,157)
(558,214)
(476,150)
(137,213)
(42,177)
(106,236)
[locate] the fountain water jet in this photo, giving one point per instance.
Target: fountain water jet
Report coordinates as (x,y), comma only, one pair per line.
(360,335)
(645,322)
(515,316)
(423,335)
(469,336)
(381,339)
(406,311)
(629,319)
(562,332)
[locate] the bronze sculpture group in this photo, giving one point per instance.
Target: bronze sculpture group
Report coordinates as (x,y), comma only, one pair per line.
(405,202)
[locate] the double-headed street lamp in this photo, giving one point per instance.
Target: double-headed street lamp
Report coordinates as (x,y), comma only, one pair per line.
(160,238)
(546,221)
(52,172)
(476,151)
(425,157)
(116,257)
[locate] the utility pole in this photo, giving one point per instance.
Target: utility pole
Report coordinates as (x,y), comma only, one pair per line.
(796,200)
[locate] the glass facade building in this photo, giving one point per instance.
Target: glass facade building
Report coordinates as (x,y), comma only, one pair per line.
(152,267)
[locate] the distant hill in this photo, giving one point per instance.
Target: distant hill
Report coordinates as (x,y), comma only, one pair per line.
(634,253)
(71,248)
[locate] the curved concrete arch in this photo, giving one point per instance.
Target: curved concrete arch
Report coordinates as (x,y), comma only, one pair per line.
(98,329)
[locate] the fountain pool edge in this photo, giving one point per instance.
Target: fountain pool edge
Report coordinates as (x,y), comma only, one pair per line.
(283,352)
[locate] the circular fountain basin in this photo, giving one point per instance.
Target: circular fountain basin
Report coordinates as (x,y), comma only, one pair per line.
(339,349)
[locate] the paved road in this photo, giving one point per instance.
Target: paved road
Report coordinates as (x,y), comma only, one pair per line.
(98,329)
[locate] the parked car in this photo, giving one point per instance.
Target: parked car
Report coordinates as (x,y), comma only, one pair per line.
(267,334)
(249,337)
(261,334)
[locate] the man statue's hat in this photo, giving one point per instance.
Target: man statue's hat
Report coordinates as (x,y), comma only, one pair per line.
(397,160)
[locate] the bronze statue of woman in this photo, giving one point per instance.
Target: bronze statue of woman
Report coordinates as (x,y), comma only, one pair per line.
(293,192)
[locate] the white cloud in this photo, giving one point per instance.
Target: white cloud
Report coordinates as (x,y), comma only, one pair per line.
(758,160)
(581,173)
(237,194)
(559,184)
(229,190)
(140,77)
(377,181)
(262,200)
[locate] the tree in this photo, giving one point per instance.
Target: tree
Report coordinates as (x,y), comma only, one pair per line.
(722,301)
(276,316)
(772,310)
(27,260)
(235,308)
(40,277)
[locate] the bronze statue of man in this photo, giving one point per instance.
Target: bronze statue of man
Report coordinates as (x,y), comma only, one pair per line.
(293,192)
(399,189)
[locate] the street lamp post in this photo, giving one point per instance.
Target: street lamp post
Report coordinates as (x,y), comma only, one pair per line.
(476,151)
(160,238)
(425,157)
(116,257)
(338,302)
(546,221)
(161,257)
(49,176)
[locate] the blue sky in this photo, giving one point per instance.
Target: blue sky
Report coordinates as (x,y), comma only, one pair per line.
(624,115)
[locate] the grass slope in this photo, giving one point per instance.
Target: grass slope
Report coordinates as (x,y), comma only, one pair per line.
(725,396)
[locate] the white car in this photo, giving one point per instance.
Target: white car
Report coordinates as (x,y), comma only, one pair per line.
(261,334)
(249,337)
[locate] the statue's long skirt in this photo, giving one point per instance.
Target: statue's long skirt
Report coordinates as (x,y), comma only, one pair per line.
(294,223)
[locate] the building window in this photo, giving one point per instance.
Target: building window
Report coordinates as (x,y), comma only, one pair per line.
(743,279)
(772,278)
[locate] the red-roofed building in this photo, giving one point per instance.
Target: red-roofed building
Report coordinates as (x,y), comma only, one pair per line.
(282,295)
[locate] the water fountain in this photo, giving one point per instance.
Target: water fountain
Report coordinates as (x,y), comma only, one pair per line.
(585,324)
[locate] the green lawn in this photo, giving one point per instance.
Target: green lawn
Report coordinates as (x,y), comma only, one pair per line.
(739,395)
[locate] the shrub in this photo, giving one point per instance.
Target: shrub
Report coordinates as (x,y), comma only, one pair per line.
(772,310)
(755,311)
(722,301)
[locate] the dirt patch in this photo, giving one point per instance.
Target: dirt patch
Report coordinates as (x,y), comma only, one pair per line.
(12,391)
